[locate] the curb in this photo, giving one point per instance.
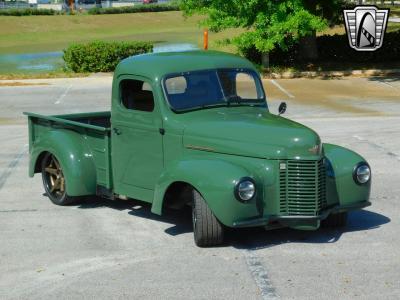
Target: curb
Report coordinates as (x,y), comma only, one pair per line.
(282,75)
(332,74)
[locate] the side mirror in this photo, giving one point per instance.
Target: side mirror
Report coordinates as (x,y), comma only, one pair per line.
(282,108)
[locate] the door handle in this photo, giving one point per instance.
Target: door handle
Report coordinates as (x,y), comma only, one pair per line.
(117,131)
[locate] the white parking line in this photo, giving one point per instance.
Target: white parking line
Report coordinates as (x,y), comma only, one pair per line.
(281,88)
(7,172)
(61,98)
(379,147)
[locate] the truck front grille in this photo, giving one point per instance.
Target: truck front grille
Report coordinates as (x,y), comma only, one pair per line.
(302,187)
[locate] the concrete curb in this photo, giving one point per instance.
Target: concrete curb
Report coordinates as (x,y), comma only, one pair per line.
(332,74)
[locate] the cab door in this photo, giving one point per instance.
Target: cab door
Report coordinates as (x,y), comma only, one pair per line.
(137,152)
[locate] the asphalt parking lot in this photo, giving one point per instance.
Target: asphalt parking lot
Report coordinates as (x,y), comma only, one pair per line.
(103,249)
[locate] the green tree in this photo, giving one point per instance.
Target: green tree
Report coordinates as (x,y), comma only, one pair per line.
(268,23)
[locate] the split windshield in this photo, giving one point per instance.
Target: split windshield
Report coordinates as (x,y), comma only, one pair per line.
(213,88)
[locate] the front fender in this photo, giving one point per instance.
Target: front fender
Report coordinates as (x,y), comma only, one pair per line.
(215,180)
(341,187)
(75,159)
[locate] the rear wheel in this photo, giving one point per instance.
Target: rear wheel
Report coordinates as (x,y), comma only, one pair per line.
(335,220)
(54,181)
(208,231)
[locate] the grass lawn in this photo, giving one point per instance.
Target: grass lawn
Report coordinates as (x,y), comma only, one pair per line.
(42,75)
(54,33)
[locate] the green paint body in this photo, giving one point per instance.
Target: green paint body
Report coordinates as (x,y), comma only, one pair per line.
(210,149)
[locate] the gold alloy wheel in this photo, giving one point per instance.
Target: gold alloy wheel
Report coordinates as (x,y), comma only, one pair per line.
(55,178)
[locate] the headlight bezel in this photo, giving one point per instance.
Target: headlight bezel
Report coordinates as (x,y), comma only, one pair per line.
(237,186)
(355,173)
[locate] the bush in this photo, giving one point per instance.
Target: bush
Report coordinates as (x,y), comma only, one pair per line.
(133,9)
(336,48)
(101,56)
(333,49)
(28,12)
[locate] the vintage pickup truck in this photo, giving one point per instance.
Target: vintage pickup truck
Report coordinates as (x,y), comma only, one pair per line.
(193,128)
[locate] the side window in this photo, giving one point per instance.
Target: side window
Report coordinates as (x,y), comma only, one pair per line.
(136,95)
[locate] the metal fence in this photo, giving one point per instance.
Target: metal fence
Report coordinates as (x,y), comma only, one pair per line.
(87,4)
(16,4)
(381,3)
(79,4)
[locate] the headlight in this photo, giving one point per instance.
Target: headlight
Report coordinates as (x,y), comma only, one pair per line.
(362,173)
(245,189)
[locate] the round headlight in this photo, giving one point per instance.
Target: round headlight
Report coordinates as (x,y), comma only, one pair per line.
(362,173)
(245,189)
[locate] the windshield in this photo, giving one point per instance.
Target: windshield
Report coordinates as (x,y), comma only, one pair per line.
(210,88)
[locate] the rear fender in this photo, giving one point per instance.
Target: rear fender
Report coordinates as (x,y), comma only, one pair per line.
(75,159)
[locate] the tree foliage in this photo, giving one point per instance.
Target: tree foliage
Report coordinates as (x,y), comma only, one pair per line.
(267,24)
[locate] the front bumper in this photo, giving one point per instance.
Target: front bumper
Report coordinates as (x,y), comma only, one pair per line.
(288,220)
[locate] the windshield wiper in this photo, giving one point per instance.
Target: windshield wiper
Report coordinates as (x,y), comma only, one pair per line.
(221,104)
(213,105)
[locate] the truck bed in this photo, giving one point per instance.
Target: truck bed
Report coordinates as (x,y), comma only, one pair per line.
(93,127)
(95,120)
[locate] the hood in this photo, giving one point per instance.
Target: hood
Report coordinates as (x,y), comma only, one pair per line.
(249,131)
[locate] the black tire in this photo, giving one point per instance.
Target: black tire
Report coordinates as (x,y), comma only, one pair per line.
(207,230)
(335,220)
(54,182)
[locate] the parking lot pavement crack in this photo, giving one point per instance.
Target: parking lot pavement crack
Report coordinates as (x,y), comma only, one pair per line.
(7,172)
(387,84)
(259,274)
(378,147)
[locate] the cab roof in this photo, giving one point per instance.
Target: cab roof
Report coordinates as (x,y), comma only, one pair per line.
(156,65)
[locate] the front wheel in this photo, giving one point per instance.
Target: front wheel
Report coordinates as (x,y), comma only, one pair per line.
(54,181)
(335,220)
(208,231)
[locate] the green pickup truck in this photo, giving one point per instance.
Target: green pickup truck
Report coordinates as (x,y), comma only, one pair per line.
(193,128)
